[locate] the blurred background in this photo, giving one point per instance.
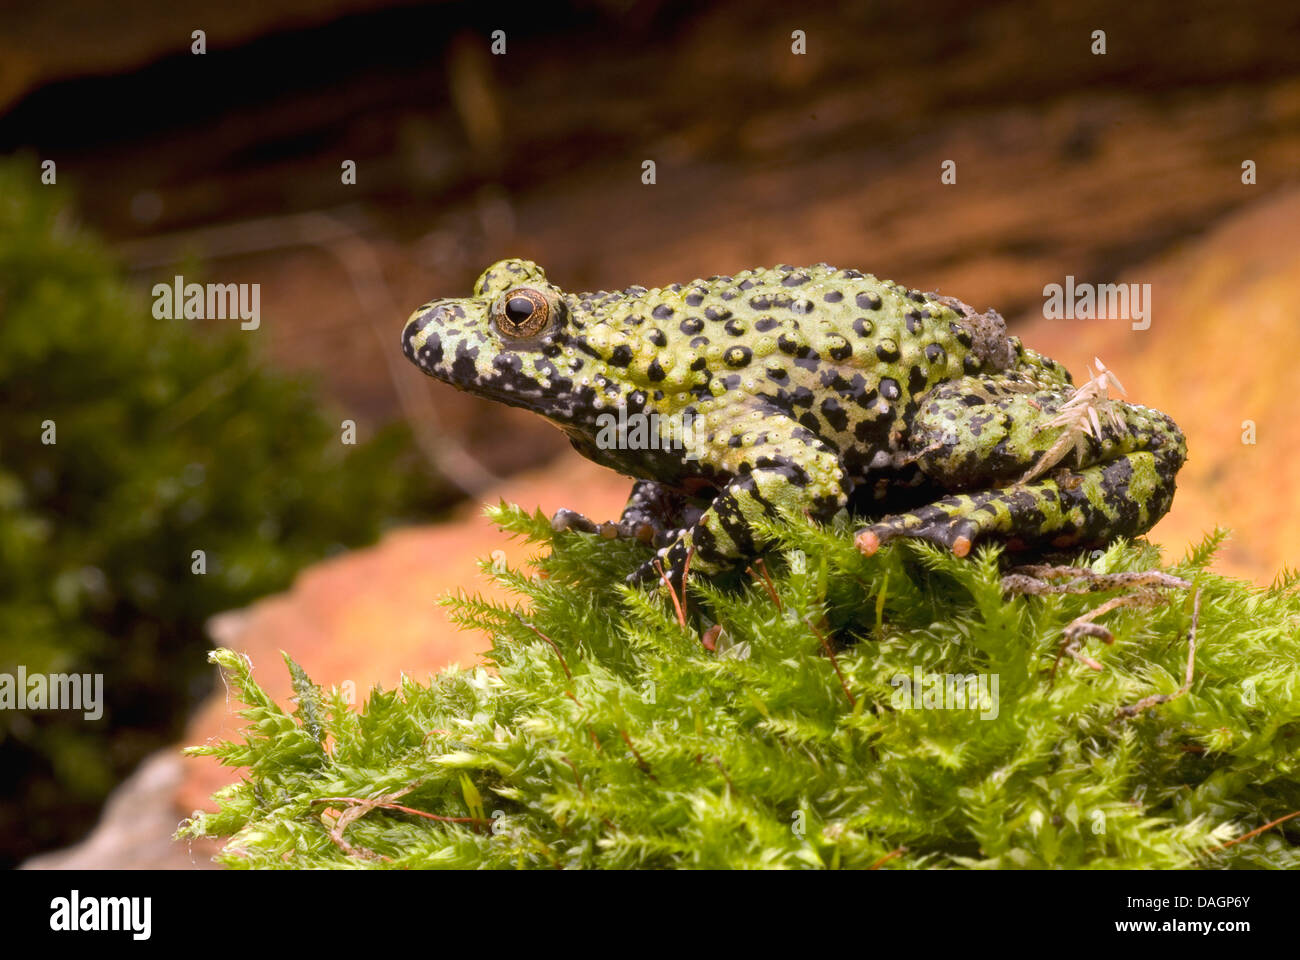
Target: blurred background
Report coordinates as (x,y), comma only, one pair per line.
(226,167)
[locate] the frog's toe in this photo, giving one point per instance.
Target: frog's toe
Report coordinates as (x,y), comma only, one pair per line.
(930,524)
(565,520)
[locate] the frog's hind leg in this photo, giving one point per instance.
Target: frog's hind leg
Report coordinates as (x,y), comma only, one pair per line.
(1042,466)
(1088,507)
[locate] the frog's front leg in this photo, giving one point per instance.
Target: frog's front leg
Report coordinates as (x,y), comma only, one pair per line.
(655,514)
(774,465)
(1099,477)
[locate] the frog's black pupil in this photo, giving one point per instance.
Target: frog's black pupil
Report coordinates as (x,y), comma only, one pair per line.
(519,309)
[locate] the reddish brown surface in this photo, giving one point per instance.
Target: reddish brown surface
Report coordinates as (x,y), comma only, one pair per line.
(1222,349)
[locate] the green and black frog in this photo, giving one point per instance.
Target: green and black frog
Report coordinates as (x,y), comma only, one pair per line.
(808,389)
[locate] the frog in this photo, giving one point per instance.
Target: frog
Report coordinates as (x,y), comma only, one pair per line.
(816,391)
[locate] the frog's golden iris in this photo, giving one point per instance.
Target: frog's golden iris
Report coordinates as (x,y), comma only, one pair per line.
(522,312)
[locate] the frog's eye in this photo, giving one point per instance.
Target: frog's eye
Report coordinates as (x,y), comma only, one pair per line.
(522,312)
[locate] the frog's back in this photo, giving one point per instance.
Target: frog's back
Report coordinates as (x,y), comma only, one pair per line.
(844,353)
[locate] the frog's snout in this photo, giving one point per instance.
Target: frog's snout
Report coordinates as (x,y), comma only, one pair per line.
(421,340)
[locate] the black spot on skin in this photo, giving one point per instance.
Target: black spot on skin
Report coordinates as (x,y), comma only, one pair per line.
(803,307)
(691,325)
(731,381)
(662,312)
(868,301)
(764,324)
(802,397)
(961,333)
(917,381)
(916,295)
(636,401)
(841,351)
(972,400)
(729,295)
(657,337)
(936,354)
(699,343)
(737,356)
(887,351)
(790,345)
(889,388)
(736,441)
(747,285)
(635,320)
(430,354)
(833,297)
(713,313)
(655,372)
(913,321)
(463,369)
(700,363)
(777,373)
(694,299)
(970,365)
(675,287)
(782,302)
(863,327)
(808,361)
(794,280)
(761,302)
(810,421)
(735,327)
(835,415)
(851,274)
(507,363)
(620,356)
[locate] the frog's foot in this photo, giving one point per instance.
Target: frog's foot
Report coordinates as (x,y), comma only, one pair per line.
(566,520)
(655,515)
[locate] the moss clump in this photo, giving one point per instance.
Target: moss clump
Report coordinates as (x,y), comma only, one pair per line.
(165,441)
(610,735)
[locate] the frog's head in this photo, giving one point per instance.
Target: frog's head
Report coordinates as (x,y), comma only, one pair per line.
(499,342)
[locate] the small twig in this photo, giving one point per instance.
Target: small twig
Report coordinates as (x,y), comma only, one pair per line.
(378,805)
(672,592)
(1158,698)
(576,778)
(1031,579)
(1258,830)
(834,662)
(640,760)
(887,857)
(767,581)
(686,572)
(554,645)
(723,770)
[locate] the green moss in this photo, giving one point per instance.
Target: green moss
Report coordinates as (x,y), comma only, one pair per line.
(168,441)
(610,736)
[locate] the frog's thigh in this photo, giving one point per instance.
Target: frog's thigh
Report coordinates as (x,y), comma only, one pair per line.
(1122,497)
